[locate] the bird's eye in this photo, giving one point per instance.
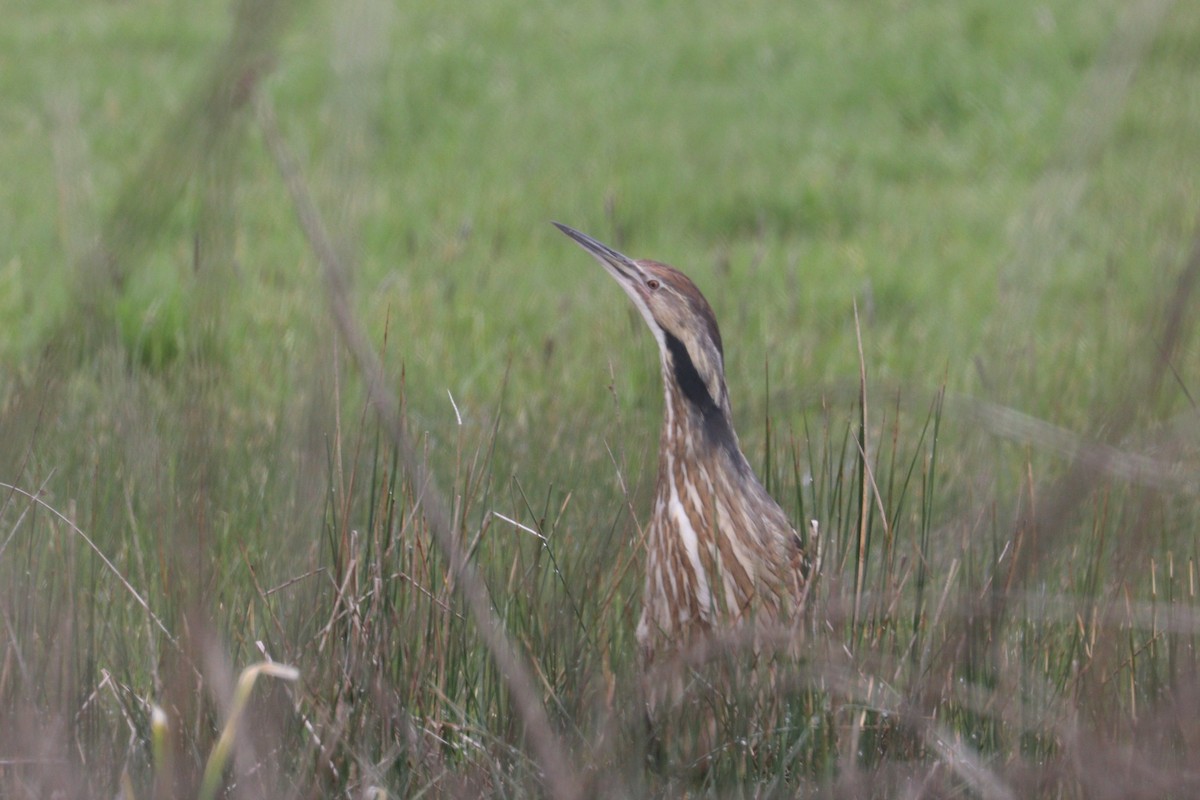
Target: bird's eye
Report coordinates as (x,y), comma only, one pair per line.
(652,283)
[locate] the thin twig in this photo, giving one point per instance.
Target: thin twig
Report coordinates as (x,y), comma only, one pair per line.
(860,565)
(99,553)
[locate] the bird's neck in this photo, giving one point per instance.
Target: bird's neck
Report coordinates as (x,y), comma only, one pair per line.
(700,501)
(693,432)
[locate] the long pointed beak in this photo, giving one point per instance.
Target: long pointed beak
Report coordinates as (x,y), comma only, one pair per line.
(620,266)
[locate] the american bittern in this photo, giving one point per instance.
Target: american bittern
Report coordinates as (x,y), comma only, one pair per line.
(720,551)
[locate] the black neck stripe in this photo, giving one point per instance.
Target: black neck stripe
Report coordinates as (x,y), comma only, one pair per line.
(687,377)
(695,391)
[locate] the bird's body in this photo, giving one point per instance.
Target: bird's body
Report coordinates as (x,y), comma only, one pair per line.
(720,551)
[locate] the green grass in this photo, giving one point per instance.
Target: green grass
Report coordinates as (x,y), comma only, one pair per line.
(1010,216)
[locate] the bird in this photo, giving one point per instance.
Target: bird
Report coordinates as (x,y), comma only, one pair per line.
(720,552)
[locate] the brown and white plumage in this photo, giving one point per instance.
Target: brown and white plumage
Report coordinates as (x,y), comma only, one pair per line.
(720,551)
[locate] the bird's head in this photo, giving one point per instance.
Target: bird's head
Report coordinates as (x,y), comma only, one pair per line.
(680,318)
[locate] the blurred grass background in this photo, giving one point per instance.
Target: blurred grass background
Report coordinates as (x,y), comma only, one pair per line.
(1007,192)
